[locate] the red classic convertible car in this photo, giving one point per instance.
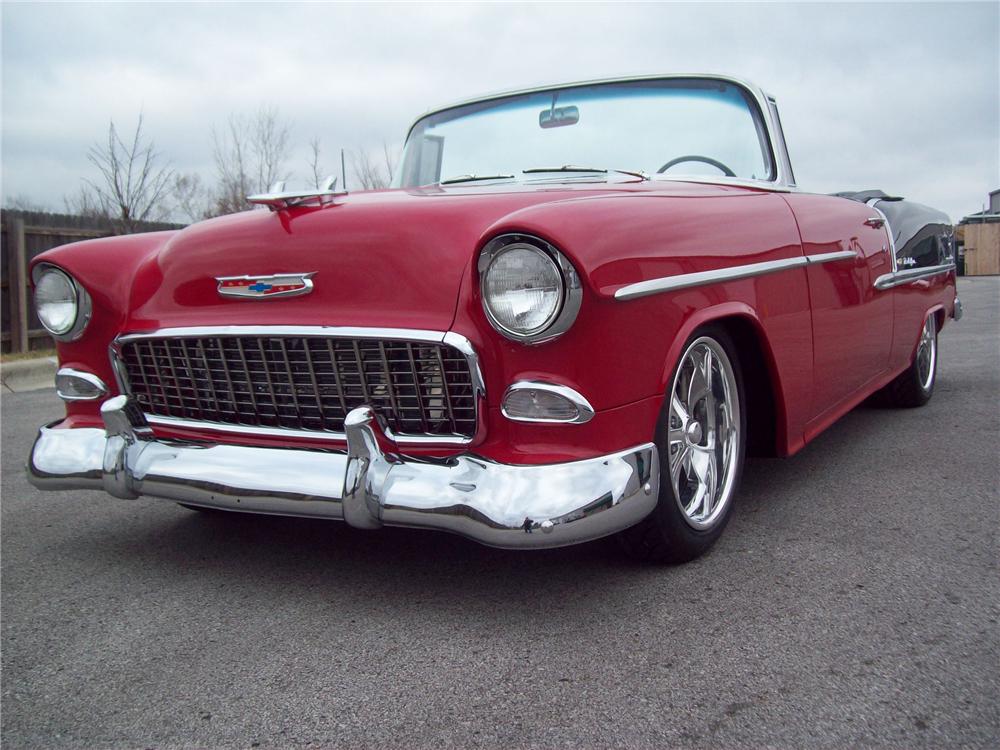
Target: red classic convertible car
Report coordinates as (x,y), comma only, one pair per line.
(575,314)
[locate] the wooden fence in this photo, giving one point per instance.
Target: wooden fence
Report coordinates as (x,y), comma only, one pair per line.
(982,248)
(23,235)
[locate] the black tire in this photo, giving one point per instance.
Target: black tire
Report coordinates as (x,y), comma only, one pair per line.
(915,385)
(666,536)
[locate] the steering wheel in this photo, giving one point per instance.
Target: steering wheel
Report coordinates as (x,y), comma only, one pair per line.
(695,157)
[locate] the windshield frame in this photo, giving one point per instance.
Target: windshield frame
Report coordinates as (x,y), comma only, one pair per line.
(761,105)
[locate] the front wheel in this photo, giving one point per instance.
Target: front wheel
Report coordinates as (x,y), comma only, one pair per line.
(701,438)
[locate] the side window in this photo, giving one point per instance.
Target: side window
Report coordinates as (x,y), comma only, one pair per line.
(932,250)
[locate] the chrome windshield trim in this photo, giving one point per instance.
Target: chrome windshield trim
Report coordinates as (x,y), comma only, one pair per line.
(890,280)
(449,338)
(701,278)
(585,412)
(778,148)
(87,377)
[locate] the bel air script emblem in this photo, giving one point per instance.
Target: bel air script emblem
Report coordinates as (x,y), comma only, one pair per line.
(266,287)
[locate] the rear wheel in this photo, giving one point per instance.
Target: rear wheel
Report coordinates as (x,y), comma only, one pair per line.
(701,438)
(915,386)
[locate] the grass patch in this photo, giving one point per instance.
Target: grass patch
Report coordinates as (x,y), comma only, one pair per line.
(34,354)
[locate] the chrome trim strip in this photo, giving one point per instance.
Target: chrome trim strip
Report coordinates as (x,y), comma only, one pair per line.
(242,429)
(87,377)
(501,505)
(403,334)
(831,257)
(893,260)
(241,292)
(779,150)
(450,338)
(890,280)
(585,412)
(688,280)
(727,181)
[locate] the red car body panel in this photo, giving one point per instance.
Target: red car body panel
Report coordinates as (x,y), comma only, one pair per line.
(406,259)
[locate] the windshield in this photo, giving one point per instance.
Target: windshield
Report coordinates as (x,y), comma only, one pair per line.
(680,127)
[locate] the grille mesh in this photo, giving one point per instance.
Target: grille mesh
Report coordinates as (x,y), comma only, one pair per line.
(303,383)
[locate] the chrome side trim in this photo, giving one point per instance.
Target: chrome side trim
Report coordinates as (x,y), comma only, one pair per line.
(893,260)
(585,412)
(88,377)
(501,505)
(701,278)
(899,278)
(451,338)
(831,257)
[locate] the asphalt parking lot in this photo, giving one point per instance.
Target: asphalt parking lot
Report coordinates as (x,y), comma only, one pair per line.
(853,601)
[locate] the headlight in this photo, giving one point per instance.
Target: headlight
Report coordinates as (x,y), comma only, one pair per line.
(531,292)
(63,307)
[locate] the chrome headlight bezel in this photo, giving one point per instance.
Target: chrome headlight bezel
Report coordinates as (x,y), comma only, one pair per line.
(570,295)
(84,307)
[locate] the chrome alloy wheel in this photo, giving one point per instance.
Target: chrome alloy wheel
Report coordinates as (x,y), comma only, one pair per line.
(704,433)
(927,353)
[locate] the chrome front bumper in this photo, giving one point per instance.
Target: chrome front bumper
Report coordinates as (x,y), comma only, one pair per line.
(367,486)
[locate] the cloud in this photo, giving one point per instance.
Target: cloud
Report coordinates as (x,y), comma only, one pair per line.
(898,96)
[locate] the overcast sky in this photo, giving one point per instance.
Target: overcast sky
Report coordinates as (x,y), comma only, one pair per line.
(902,97)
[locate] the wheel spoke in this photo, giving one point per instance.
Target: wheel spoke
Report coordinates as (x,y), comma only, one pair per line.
(703,463)
(678,463)
(678,410)
(701,376)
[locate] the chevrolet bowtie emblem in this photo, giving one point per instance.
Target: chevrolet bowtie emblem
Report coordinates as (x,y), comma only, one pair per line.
(265,287)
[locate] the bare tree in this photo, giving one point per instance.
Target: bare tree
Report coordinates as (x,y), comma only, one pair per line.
(389,161)
(368,172)
(314,163)
(134,181)
(22,202)
(249,157)
(191,197)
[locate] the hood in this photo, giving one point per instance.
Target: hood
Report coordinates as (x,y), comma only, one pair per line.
(389,258)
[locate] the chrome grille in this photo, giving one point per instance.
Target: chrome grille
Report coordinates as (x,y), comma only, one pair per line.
(304,383)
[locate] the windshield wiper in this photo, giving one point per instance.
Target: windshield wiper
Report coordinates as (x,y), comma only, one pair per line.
(475,178)
(634,173)
(589,170)
(564,168)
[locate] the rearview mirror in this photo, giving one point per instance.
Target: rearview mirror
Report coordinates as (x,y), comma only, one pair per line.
(557,117)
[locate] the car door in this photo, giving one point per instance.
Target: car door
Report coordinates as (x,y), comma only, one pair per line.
(848,248)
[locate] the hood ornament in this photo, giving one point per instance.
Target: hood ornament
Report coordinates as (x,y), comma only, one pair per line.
(266,287)
(277,198)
